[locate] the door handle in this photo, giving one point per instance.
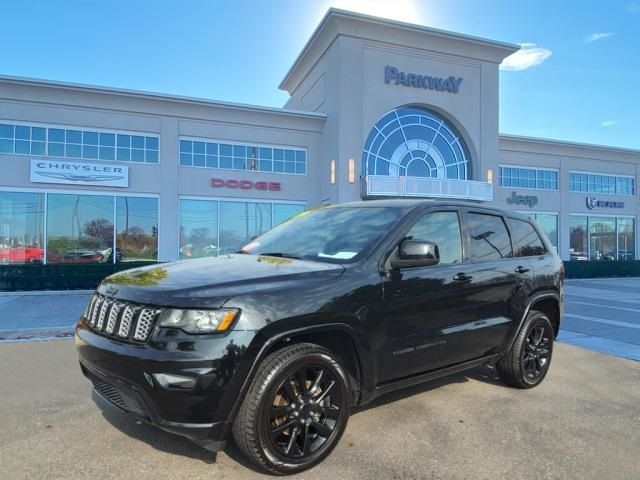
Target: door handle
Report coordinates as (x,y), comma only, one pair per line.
(521,269)
(462,277)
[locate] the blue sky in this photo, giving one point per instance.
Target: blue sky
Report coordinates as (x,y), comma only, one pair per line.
(577,80)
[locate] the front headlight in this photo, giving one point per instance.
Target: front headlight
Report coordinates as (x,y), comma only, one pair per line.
(199,321)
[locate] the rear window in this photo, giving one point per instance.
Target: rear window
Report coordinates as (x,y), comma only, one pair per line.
(526,241)
(489,237)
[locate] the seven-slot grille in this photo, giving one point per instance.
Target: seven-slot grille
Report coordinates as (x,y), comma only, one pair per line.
(120,319)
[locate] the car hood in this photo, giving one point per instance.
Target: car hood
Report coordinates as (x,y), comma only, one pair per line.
(209,282)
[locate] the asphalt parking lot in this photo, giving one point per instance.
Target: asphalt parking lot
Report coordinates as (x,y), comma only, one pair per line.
(582,422)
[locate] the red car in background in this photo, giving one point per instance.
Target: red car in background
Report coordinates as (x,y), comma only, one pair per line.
(33,254)
(23,254)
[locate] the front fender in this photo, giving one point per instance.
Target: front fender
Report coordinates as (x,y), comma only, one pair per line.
(262,345)
(535,298)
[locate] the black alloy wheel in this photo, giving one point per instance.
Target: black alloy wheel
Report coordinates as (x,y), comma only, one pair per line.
(295,410)
(536,352)
(528,361)
(304,412)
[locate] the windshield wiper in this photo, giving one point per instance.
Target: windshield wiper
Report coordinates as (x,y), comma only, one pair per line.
(279,254)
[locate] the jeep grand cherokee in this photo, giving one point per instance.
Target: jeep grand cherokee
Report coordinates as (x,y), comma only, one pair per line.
(273,345)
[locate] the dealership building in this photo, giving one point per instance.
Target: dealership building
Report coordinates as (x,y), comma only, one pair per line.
(377,109)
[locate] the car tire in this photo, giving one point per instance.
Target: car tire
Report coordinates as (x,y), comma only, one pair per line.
(527,363)
(285,424)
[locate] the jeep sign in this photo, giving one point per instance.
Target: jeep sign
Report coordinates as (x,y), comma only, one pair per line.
(528,200)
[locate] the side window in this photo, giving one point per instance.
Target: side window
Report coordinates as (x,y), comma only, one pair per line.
(489,237)
(526,241)
(443,229)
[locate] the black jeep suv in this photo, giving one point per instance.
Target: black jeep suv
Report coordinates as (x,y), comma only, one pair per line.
(276,343)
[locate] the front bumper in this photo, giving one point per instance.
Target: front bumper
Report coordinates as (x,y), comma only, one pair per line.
(125,376)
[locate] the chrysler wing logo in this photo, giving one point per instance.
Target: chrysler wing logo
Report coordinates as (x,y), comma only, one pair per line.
(81,178)
(592,202)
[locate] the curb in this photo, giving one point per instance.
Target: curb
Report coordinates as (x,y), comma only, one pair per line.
(46,293)
(34,334)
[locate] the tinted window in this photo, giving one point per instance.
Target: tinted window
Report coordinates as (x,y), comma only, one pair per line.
(443,229)
(526,240)
(489,237)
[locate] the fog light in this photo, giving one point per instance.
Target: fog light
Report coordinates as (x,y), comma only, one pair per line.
(178,382)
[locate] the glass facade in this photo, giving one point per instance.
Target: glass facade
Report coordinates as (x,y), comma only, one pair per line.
(603,184)
(548,223)
(534,178)
(414,142)
(21,227)
(259,158)
(78,143)
(213,227)
(77,228)
(601,238)
(136,229)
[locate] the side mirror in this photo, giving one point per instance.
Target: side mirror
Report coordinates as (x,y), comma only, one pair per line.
(415,253)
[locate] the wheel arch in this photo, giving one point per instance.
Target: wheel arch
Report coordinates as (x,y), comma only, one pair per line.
(338,341)
(550,306)
(338,338)
(548,302)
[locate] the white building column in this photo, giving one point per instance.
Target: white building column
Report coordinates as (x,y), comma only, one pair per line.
(169,222)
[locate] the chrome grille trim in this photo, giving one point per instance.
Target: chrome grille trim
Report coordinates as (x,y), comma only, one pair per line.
(122,319)
(146,319)
(96,310)
(89,309)
(113,316)
(106,303)
(125,323)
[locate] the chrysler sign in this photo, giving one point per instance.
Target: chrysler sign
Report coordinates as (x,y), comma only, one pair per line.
(449,84)
(74,173)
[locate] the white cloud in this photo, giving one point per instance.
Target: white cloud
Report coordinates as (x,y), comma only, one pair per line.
(528,56)
(608,123)
(594,37)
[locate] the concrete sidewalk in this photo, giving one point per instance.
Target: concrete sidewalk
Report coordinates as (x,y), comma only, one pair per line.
(29,315)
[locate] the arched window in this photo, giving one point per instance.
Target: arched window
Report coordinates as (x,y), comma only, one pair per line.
(414,142)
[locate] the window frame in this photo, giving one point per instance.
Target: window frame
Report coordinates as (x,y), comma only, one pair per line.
(535,179)
(598,178)
(246,144)
(547,248)
(467,230)
(82,129)
(388,244)
(430,211)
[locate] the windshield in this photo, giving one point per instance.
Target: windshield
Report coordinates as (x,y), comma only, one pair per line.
(335,235)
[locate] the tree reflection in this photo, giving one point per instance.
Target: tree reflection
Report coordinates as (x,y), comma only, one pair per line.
(146,278)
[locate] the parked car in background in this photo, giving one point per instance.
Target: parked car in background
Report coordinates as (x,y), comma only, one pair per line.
(76,256)
(107,255)
(21,254)
(275,344)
